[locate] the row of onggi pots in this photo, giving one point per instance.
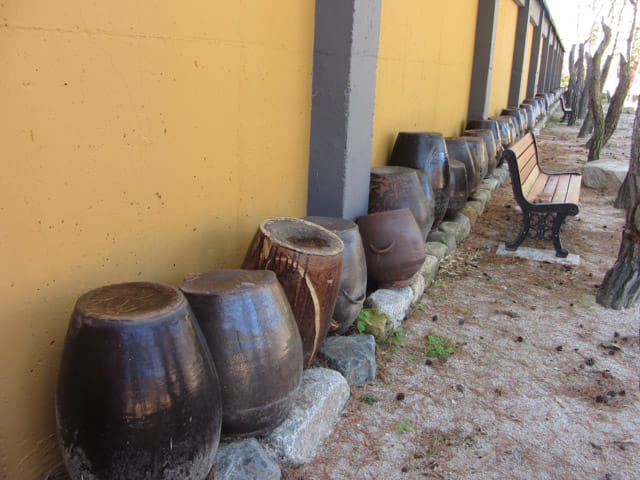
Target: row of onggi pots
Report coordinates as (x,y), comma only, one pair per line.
(152,376)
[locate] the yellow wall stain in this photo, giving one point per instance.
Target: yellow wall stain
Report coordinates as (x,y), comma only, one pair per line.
(140,142)
(423,79)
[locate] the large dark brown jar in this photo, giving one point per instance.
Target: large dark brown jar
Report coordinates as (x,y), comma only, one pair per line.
(138,395)
(393,246)
(459,150)
(479,152)
(392,188)
(490,146)
(512,125)
(427,152)
(530,113)
(459,187)
(307,259)
(249,327)
(489,124)
(353,280)
(519,118)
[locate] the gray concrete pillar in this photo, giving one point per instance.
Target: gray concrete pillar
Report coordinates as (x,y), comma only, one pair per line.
(534,59)
(482,70)
(516,89)
(544,58)
(344,83)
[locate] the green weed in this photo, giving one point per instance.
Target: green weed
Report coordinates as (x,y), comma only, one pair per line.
(438,346)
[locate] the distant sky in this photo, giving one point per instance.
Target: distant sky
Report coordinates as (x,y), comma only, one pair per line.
(573,19)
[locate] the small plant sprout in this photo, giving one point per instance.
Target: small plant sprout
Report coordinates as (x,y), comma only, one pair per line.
(438,346)
(420,306)
(405,427)
(369,399)
(362,321)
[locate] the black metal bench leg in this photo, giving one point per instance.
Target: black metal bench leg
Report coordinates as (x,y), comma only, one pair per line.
(526,225)
(555,236)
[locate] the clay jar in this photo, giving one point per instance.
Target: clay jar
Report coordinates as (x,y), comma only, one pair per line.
(517,115)
(427,152)
(530,114)
(249,327)
(512,124)
(307,259)
(393,246)
(490,147)
(490,124)
(459,150)
(479,153)
(459,187)
(353,279)
(392,188)
(138,395)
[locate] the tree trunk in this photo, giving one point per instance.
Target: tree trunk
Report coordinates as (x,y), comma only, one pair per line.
(571,90)
(617,101)
(583,85)
(595,143)
(621,285)
(588,122)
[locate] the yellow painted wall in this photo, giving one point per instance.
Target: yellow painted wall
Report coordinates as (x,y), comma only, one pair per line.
(503,56)
(425,60)
(141,140)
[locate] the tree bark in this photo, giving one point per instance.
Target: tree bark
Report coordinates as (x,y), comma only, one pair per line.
(571,90)
(578,72)
(587,124)
(595,143)
(621,285)
(583,85)
(617,101)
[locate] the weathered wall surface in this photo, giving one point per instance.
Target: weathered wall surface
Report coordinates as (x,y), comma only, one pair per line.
(425,58)
(503,56)
(141,141)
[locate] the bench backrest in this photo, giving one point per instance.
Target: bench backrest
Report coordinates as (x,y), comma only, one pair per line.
(526,157)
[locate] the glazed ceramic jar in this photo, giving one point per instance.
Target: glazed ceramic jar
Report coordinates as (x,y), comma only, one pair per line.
(138,395)
(254,340)
(427,152)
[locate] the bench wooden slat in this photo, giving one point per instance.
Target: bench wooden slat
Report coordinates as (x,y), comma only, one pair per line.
(573,194)
(522,144)
(530,167)
(526,157)
(549,189)
(560,195)
(536,187)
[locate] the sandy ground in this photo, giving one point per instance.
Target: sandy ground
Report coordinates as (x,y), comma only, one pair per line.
(543,382)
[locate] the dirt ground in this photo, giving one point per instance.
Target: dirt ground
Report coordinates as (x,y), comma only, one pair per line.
(543,382)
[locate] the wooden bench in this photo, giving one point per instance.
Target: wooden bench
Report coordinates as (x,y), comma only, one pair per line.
(565,111)
(546,199)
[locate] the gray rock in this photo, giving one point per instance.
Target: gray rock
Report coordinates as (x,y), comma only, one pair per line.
(320,400)
(446,239)
(459,226)
(417,286)
(500,173)
(353,356)
(482,196)
(607,174)
(429,269)
(490,184)
(470,212)
(395,302)
(245,460)
(476,205)
(437,249)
